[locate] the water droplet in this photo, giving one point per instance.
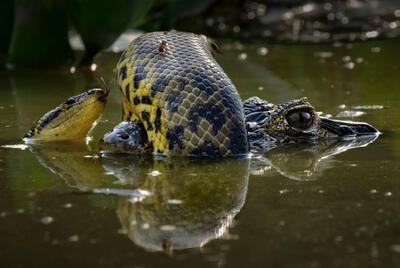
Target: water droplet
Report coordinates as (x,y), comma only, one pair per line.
(210,22)
(387,194)
(47,220)
(262,51)
(327,6)
(331,16)
(344,20)
(251,15)
(236,28)
(242,56)
(93,67)
(260,88)
(222,26)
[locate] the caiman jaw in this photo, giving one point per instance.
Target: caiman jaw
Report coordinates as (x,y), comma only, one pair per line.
(296,121)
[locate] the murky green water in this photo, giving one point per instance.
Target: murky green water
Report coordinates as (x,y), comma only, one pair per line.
(299,206)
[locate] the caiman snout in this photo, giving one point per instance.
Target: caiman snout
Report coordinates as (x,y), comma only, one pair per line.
(348,129)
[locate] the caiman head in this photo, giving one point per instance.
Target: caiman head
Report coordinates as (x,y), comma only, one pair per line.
(295,121)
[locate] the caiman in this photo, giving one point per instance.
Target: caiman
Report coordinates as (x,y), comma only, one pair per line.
(177,100)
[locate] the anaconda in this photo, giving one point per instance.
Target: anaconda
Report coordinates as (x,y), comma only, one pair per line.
(177,100)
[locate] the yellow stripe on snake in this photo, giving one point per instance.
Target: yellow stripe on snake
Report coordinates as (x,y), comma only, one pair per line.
(171,82)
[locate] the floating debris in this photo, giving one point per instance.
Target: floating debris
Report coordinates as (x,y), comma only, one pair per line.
(346,58)
(350,114)
(174,201)
(73,238)
(375,49)
(284,191)
(167,228)
(323,54)
(371,34)
(242,56)
(154,173)
(395,248)
(359,60)
(47,220)
(262,51)
(15,146)
(349,65)
(20,211)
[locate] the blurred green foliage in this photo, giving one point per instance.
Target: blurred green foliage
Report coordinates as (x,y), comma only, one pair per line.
(6,24)
(40,28)
(99,23)
(40,35)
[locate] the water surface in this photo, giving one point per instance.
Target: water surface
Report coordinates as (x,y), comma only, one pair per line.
(331,205)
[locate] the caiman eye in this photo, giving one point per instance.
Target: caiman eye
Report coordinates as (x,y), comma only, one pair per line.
(300,119)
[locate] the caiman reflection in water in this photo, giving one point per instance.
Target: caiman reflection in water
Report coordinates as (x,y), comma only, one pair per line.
(304,162)
(163,204)
(191,201)
(178,203)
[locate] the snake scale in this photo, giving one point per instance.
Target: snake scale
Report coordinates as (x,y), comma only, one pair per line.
(171,82)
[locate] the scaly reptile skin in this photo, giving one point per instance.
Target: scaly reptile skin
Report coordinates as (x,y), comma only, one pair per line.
(171,82)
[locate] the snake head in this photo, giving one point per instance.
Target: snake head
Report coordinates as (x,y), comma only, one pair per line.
(297,121)
(71,120)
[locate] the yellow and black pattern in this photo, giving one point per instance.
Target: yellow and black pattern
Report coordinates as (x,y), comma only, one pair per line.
(171,82)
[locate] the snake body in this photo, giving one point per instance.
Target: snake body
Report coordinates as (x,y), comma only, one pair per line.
(171,83)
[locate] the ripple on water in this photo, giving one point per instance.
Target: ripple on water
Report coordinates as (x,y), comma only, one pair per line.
(369,107)
(350,114)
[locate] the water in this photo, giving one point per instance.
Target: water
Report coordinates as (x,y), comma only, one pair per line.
(331,205)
